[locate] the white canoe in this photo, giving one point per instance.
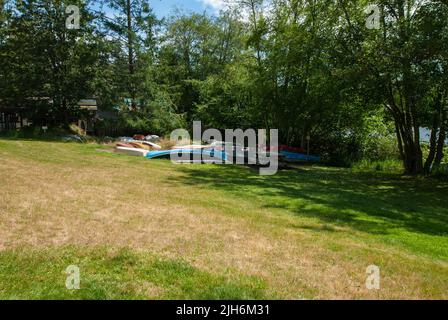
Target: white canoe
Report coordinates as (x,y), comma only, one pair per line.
(155,146)
(132,151)
(148,143)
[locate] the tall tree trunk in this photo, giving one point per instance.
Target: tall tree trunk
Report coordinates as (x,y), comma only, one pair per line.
(408,137)
(433,141)
(442,138)
(130,53)
(438,120)
(409,146)
(409,125)
(399,140)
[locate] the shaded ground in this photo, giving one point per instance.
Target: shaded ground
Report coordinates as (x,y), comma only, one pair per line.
(373,203)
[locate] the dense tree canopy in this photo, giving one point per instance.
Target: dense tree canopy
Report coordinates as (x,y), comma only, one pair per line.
(314,69)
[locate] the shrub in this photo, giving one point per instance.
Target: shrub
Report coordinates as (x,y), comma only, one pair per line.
(389,166)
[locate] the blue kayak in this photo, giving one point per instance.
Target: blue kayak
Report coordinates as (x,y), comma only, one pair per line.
(299,157)
(212,154)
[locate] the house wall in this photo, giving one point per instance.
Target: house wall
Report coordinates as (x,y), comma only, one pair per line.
(9,121)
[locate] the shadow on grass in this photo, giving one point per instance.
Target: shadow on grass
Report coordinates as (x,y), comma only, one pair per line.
(369,202)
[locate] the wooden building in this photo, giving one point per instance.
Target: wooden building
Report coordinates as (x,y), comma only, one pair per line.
(87,122)
(13,118)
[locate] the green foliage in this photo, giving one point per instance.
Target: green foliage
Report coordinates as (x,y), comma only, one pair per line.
(33,132)
(46,67)
(308,68)
(350,137)
(132,28)
(441,171)
(401,66)
(386,166)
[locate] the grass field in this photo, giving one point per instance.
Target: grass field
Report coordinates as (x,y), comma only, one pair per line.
(148,229)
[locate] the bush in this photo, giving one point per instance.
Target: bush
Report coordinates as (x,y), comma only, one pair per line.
(389,166)
(32,132)
(156,116)
(440,171)
(348,142)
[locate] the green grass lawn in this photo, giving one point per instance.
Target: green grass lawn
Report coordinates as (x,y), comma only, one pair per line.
(148,229)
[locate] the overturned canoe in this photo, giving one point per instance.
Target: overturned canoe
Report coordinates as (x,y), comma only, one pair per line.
(132,151)
(140,145)
(124,145)
(292,156)
(152,144)
(130,141)
(188,155)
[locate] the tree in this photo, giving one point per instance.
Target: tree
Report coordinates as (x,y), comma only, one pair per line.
(49,67)
(132,28)
(403,64)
